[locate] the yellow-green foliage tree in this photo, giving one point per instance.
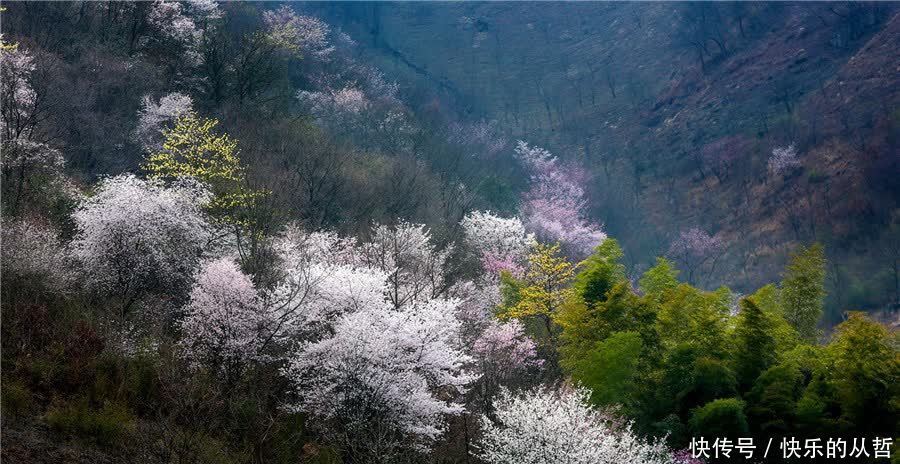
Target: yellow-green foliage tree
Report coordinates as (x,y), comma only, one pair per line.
(544,287)
(192,148)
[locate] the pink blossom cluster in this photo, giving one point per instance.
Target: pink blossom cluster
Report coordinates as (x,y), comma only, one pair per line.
(695,243)
(506,347)
(225,323)
(555,206)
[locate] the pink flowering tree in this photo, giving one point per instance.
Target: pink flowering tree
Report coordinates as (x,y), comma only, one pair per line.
(697,252)
(135,237)
(554,208)
(560,426)
(502,352)
(225,324)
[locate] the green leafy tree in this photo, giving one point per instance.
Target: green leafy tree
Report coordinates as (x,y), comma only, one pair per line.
(709,380)
(720,418)
(754,345)
(866,374)
(600,272)
(193,149)
(659,280)
(694,317)
(803,290)
(768,299)
(772,403)
(609,369)
(545,286)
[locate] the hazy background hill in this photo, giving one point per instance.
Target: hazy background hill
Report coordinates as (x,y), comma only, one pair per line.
(675,108)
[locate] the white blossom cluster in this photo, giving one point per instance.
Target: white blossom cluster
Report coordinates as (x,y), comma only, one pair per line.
(33,250)
(155,116)
(544,426)
(502,243)
(784,159)
(135,235)
(303,35)
(375,329)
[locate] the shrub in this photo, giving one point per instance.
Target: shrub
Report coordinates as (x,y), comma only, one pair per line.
(16,398)
(107,425)
(720,418)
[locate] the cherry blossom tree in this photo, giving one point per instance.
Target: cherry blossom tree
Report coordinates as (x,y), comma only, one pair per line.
(135,236)
(484,137)
(29,165)
(506,348)
(697,251)
(783,160)
(225,323)
(554,207)
(545,426)
(18,96)
(413,264)
(157,116)
(377,359)
(373,383)
(502,243)
(32,250)
(301,35)
(172,21)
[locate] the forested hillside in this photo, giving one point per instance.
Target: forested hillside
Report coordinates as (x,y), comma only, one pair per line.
(675,110)
(431,232)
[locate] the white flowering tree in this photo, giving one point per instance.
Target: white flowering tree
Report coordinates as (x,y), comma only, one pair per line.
(374,383)
(300,35)
(546,426)
(377,359)
(225,323)
(135,237)
(413,265)
(697,252)
(28,163)
(502,243)
(156,116)
(783,160)
(32,251)
(483,138)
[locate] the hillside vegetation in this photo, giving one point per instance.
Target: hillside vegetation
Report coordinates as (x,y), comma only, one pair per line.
(447,233)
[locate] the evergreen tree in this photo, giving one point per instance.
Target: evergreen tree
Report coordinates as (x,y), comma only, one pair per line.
(866,374)
(609,369)
(659,280)
(755,346)
(803,290)
(600,272)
